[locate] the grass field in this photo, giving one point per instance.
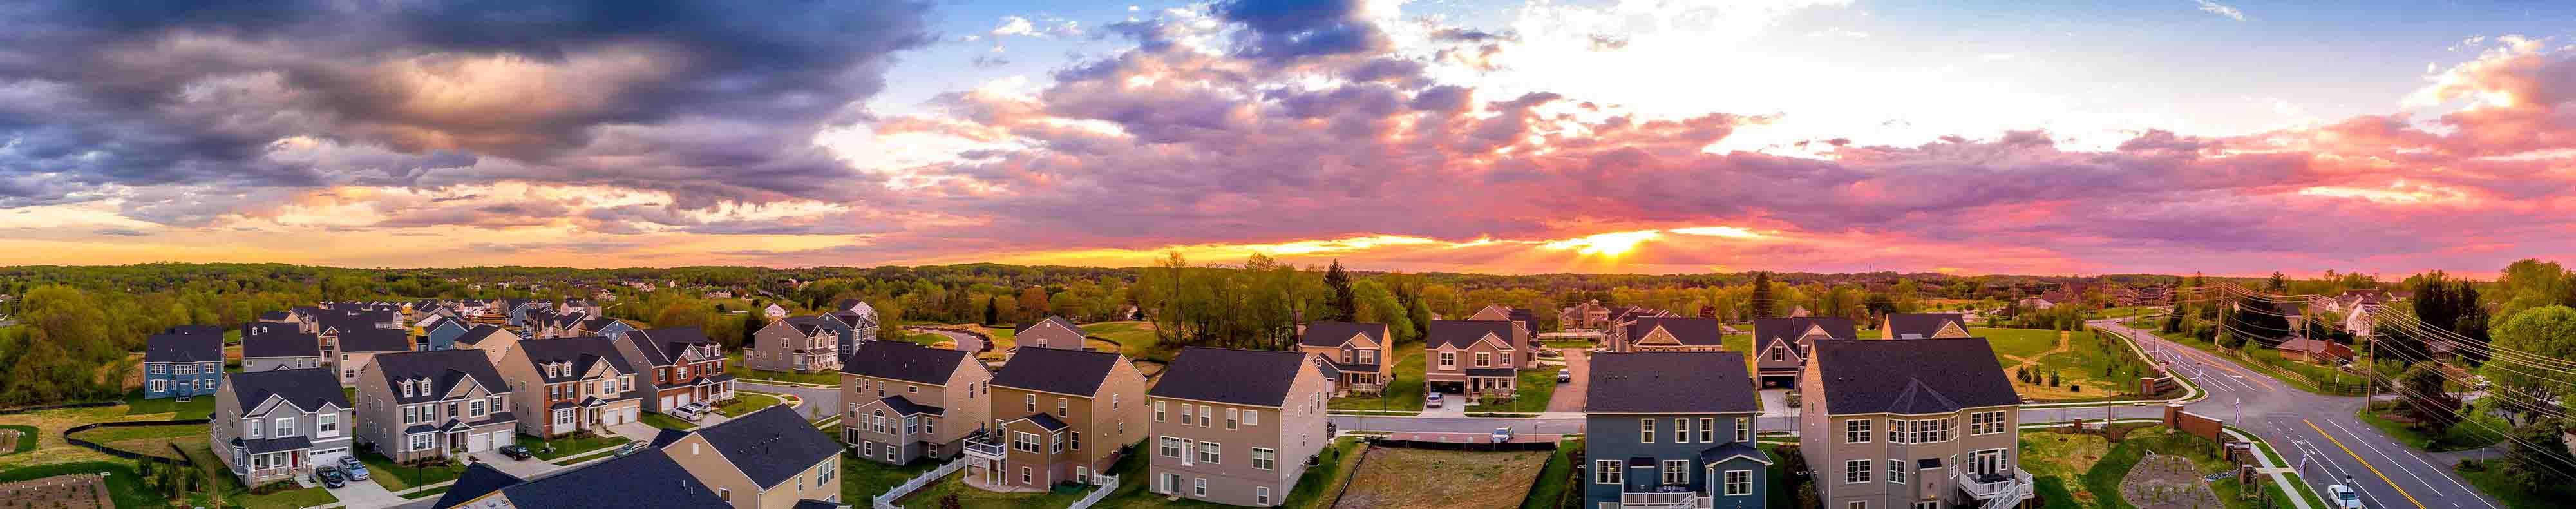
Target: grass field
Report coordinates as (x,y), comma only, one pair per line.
(394,477)
(1392,477)
(745,402)
(1554,480)
(149,440)
(1135,338)
(862,479)
(734,366)
(568,445)
(234,494)
(2462,436)
(2064,456)
(26,440)
(1534,388)
(2104,478)
(1403,393)
(2488,478)
(667,422)
(168,408)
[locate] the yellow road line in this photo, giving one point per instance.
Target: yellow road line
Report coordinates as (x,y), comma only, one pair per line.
(2419,504)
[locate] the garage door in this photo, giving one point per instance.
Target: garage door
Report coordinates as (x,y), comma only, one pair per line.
(684,399)
(666,403)
(327,456)
(503,438)
(631,414)
(478,442)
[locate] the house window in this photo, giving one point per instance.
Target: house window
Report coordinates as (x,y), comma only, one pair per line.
(1114,401)
(326,425)
(1855,471)
(1207,416)
(1185,415)
(1209,452)
(1075,439)
(1261,495)
(1856,431)
(1739,482)
(1368,357)
(1063,407)
(1029,402)
(1448,360)
(1986,423)
(1681,431)
(930,425)
(478,407)
(1264,459)
(420,442)
(1158,411)
(1606,471)
(1251,417)
(1171,484)
(1857,504)
(912,389)
(1646,431)
(1024,442)
(1198,488)
(285,427)
(1676,472)
(1171,448)
(1928,504)
(1743,429)
(563,417)
(1232,418)
(1707,430)
(1896,471)
(1024,476)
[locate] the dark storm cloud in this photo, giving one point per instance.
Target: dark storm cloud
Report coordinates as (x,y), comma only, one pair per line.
(1287,30)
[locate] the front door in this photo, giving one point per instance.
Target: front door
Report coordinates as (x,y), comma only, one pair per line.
(1989,462)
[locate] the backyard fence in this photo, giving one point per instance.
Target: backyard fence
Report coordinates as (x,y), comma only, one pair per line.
(1108,483)
(21,410)
(111,451)
(886,500)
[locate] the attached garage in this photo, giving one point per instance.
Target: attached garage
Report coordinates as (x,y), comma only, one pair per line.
(503,438)
(666,403)
(478,442)
(684,400)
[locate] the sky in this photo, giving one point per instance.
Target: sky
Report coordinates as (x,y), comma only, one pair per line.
(1602,136)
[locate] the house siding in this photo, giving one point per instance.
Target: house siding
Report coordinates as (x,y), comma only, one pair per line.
(1827,451)
(1293,432)
(1094,416)
(818,482)
(164,379)
(963,412)
(1617,437)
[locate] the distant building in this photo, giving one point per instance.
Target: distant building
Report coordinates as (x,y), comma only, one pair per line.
(185,362)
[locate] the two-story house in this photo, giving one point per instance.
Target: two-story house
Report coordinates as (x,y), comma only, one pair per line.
(801,344)
(359,346)
(1912,424)
(1673,334)
(182,363)
(1237,426)
(1780,345)
(1475,357)
(908,401)
(862,319)
(441,331)
(605,327)
(768,459)
(1521,325)
(434,404)
(1589,315)
(1922,325)
(1052,332)
(1059,416)
(681,366)
(274,425)
(493,340)
(649,479)
(1357,351)
(268,346)
(563,385)
(1672,430)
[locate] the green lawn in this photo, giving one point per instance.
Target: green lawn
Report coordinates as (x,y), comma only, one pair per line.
(745,402)
(862,479)
(1136,339)
(734,366)
(1535,387)
(1555,481)
(394,477)
(234,494)
(2119,312)
(568,445)
(26,438)
(2462,436)
(2104,478)
(2496,484)
(2015,342)
(195,408)
(149,440)
(668,422)
(427,493)
(1402,393)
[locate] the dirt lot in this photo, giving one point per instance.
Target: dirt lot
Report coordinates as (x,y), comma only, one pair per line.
(78,491)
(1391,477)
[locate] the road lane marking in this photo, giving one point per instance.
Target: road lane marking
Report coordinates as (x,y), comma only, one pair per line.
(2401,467)
(2401,490)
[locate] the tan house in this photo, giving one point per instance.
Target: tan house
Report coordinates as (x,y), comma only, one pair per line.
(803,344)
(1521,323)
(1780,345)
(1052,332)
(1590,315)
(436,404)
(564,385)
(1910,424)
(681,365)
(1357,353)
(1058,416)
(1922,325)
(495,342)
(906,401)
(1673,334)
(769,459)
(1236,426)
(1475,357)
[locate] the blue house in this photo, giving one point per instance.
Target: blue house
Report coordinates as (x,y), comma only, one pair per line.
(607,327)
(442,332)
(186,362)
(1672,430)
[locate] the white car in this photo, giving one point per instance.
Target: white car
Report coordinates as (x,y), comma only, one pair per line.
(684,413)
(1432,401)
(2344,497)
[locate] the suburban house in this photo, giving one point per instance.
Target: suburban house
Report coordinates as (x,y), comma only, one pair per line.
(1915,423)
(2035,303)
(1357,352)
(1673,334)
(774,312)
(1259,415)
(1052,332)
(1590,315)
(1922,325)
(492,340)
(650,479)
(270,346)
(434,404)
(862,319)
(685,366)
(1059,416)
(1476,357)
(2316,351)
(564,385)
(1521,323)
(907,401)
(769,459)
(1614,330)
(854,329)
(604,327)
(276,425)
(442,331)
(359,346)
(1672,429)
(803,344)
(183,363)
(1780,345)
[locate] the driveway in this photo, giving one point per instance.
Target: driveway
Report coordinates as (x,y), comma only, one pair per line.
(1775,403)
(522,469)
(819,402)
(1569,395)
(366,494)
(636,431)
(1451,405)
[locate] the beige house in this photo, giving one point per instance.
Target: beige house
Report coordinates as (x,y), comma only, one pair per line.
(1052,332)
(495,342)
(1236,426)
(1673,334)
(803,344)
(565,385)
(1780,345)
(1058,416)
(1922,325)
(420,405)
(769,459)
(1912,424)
(1521,324)
(1475,357)
(1356,351)
(906,401)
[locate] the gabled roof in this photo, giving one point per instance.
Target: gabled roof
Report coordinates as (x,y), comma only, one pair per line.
(598,324)
(904,406)
(809,325)
(371,339)
(479,480)
(307,389)
(1232,376)
(1330,333)
(184,348)
(665,346)
(1733,450)
(1057,370)
(1765,330)
(854,305)
(1043,421)
(1669,382)
(268,340)
(643,480)
(476,335)
(205,330)
(583,352)
(1465,333)
(906,361)
(1058,320)
(445,370)
(1910,376)
(1922,325)
(770,445)
(1690,331)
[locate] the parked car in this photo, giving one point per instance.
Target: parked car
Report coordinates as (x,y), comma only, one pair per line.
(631,448)
(698,406)
(1502,435)
(1564,375)
(517,452)
(684,413)
(330,476)
(1431,401)
(356,470)
(2344,497)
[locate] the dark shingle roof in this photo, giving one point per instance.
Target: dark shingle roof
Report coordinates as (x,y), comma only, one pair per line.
(1732,450)
(1045,421)
(903,406)
(644,480)
(906,361)
(307,389)
(662,346)
(1669,382)
(1068,324)
(269,445)
(268,340)
(1921,325)
(445,370)
(1765,330)
(770,445)
(477,334)
(1334,333)
(1057,370)
(1688,330)
(1911,376)
(479,480)
(1227,375)
(207,330)
(183,348)
(372,339)
(816,504)
(583,352)
(1463,333)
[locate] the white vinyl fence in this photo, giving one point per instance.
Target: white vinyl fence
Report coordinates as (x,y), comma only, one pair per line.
(886,500)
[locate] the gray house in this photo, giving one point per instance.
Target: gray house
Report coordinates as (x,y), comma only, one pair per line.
(1912,424)
(274,425)
(274,346)
(1672,430)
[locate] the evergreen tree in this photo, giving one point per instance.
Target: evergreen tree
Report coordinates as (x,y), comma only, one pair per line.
(1342,304)
(1763,307)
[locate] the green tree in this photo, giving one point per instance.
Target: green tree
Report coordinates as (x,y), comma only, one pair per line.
(2537,457)
(2530,283)
(1343,304)
(2427,400)
(2547,332)
(1763,305)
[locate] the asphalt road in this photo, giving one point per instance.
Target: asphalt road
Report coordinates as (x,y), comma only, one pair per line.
(1570,395)
(819,403)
